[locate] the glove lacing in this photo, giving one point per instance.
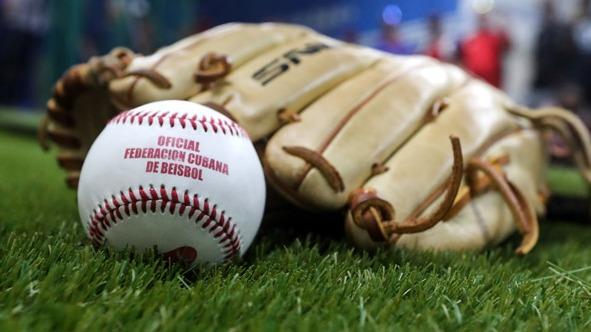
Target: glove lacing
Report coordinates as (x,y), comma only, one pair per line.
(377,216)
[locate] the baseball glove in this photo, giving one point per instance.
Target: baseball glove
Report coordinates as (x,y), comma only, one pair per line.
(420,154)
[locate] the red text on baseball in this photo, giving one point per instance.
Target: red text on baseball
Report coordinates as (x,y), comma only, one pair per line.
(172,155)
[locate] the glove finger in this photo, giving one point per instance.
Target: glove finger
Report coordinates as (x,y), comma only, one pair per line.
(356,127)
(485,219)
(270,90)
(178,62)
(76,114)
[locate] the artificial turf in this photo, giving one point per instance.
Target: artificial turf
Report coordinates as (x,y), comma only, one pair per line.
(299,275)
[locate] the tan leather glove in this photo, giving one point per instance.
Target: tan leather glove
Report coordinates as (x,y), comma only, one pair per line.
(419,154)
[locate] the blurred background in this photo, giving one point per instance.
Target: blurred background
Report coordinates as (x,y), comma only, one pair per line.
(539,51)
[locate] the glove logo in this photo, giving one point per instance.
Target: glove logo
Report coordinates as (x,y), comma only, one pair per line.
(278,66)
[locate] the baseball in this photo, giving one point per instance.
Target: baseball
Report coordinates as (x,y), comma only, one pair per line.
(175,176)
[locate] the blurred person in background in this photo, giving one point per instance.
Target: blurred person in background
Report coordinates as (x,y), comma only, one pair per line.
(351,35)
(556,60)
(562,67)
(482,53)
(438,46)
(23,23)
(127,23)
(391,42)
(582,37)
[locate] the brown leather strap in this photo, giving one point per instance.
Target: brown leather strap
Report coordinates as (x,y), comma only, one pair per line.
(416,225)
(212,67)
(526,220)
(481,185)
(567,125)
(372,214)
(377,215)
(438,107)
(315,159)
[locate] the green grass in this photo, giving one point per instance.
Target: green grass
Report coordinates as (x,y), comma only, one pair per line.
(291,279)
(567,181)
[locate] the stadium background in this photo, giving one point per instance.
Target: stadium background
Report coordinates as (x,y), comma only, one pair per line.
(42,38)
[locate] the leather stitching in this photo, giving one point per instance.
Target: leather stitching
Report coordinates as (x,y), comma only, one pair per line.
(216,125)
(200,210)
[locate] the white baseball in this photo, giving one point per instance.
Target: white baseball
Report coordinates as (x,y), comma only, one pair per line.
(175,176)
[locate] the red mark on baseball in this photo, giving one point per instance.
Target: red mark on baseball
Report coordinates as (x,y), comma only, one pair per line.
(182,255)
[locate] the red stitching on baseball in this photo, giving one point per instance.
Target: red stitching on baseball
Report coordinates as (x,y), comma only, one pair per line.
(217,125)
(220,226)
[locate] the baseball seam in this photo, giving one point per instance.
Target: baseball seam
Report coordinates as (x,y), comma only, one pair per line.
(116,208)
(207,124)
